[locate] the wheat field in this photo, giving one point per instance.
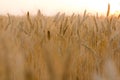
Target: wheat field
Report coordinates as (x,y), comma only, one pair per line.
(60,47)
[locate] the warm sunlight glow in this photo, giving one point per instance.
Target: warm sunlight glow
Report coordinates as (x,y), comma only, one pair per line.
(50,7)
(115,6)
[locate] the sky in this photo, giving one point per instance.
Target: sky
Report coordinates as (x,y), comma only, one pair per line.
(51,7)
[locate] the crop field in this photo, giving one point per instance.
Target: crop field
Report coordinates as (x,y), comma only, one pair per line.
(60,47)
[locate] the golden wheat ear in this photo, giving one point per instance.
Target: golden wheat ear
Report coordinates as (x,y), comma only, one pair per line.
(108,10)
(48,34)
(118,16)
(28,14)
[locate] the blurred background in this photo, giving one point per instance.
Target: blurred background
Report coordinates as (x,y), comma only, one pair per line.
(51,7)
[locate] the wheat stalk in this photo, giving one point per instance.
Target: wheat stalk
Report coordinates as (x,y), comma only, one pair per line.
(108,10)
